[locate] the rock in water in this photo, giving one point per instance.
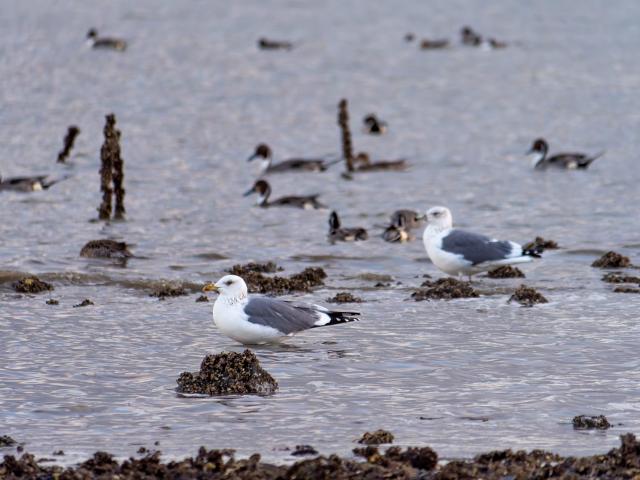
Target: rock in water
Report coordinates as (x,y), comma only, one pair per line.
(612,260)
(228,373)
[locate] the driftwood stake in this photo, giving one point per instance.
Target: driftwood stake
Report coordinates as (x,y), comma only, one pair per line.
(106,168)
(343,122)
(70,137)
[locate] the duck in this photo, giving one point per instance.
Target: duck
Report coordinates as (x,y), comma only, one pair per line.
(266,44)
(339,234)
(94,41)
(27,184)
(438,44)
(373,125)
(402,222)
(263,189)
(362,163)
(474,39)
(568,161)
(264,153)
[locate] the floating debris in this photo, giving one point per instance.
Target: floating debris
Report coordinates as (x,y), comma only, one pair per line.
(168,290)
(105,249)
(612,260)
(69,139)
(344,297)
(32,284)
(202,298)
(228,373)
(347,145)
(85,303)
(527,296)
(111,171)
(251,267)
(52,301)
(301,450)
(506,271)
(376,438)
(444,289)
(266,44)
(589,422)
(6,441)
(613,277)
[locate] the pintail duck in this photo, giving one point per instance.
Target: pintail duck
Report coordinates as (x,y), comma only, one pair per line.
(568,161)
(27,184)
(263,152)
(339,234)
(95,41)
(373,125)
(263,189)
(402,222)
(266,44)
(362,163)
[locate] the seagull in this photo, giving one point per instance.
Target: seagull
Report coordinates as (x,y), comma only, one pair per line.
(264,153)
(263,189)
(373,125)
(105,42)
(339,234)
(568,161)
(457,252)
(27,184)
(260,320)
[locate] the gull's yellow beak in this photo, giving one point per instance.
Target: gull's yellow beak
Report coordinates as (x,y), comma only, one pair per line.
(210,287)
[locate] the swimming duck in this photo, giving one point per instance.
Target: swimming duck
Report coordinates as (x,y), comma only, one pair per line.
(402,221)
(339,234)
(427,44)
(362,163)
(568,161)
(265,44)
(264,153)
(263,189)
(105,42)
(373,125)
(27,184)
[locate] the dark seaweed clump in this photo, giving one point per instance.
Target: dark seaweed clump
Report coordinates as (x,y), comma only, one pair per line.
(506,271)
(105,248)
(397,464)
(7,441)
(588,422)
(540,243)
(304,450)
(228,373)
(376,438)
(85,303)
(257,282)
(613,277)
(32,284)
(202,298)
(168,290)
(52,301)
(251,267)
(626,290)
(612,260)
(527,296)
(344,297)
(444,289)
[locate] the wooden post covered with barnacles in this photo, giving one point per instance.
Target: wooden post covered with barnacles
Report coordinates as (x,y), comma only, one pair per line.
(111,171)
(343,122)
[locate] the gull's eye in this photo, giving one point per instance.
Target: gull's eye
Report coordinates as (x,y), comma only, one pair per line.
(228,282)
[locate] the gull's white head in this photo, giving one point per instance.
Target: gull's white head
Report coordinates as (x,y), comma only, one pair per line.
(231,286)
(439,218)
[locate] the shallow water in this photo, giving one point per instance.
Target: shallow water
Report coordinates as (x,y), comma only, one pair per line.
(193,96)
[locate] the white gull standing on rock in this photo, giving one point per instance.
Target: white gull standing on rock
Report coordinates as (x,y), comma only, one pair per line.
(458,252)
(259,320)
